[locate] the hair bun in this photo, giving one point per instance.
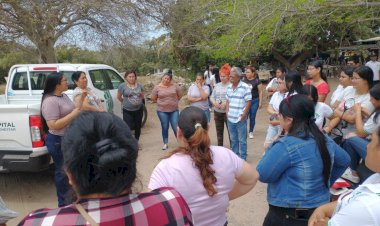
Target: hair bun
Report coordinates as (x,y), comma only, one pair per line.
(105,145)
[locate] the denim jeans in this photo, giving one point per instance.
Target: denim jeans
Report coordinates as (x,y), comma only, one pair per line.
(53,144)
(208,115)
(252,113)
(356,147)
(165,118)
(238,136)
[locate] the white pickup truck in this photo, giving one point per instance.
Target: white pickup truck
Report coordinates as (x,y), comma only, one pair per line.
(22,145)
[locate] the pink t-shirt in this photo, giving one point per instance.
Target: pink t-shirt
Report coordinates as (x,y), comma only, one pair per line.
(56,107)
(179,172)
(322,88)
(167,97)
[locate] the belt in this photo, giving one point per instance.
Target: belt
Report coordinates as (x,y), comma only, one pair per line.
(293,213)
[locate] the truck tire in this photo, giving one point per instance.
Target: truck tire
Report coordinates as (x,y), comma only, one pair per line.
(145,116)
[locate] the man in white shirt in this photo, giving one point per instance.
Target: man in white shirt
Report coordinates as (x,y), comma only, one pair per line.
(375,66)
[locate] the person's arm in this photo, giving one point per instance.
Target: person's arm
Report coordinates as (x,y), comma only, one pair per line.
(63,122)
(190,98)
(246,110)
(245,181)
(88,107)
(269,88)
(260,88)
(322,97)
(154,94)
(322,214)
(332,124)
(120,96)
(274,163)
(227,107)
(204,93)
(271,110)
(179,92)
(359,121)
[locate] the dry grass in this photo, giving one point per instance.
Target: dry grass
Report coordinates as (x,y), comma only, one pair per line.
(2,88)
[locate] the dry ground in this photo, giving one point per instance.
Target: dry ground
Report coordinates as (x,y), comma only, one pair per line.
(25,192)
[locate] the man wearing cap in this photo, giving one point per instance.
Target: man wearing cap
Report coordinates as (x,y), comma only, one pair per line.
(238,104)
(375,66)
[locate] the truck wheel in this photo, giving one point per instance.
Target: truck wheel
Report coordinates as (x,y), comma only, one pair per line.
(145,116)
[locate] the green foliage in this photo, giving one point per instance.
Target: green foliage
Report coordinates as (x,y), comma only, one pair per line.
(73,54)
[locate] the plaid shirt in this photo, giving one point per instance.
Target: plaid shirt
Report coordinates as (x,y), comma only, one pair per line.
(163,206)
(237,100)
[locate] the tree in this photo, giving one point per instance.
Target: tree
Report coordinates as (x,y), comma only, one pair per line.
(44,23)
(290,31)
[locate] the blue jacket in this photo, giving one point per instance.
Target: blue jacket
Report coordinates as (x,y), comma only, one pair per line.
(293,167)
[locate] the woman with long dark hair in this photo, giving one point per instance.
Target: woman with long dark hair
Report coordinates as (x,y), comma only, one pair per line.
(100,156)
(206,176)
(318,79)
(293,82)
(57,112)
(299,167)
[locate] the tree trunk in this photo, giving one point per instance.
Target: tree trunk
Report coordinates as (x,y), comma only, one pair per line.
(292,62)
(46,51)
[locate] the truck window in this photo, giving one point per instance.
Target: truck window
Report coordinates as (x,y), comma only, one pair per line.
(37,80)
(97,79)
(114,78)
(20,81)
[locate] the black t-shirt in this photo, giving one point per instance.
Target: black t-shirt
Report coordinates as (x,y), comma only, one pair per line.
(253,84)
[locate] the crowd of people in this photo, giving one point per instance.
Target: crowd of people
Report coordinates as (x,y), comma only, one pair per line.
(95,152)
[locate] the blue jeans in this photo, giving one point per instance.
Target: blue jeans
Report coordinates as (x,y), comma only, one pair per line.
(165,118)
(356,147)
(238,136)
(208,115)
(252,113)
(53,144)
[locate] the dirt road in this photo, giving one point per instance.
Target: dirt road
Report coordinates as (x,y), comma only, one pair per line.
(25,192)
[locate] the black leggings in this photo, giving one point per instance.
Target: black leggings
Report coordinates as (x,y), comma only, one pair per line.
(278,216)
(134,120)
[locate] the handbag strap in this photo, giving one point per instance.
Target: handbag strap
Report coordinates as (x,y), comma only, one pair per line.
(86,216)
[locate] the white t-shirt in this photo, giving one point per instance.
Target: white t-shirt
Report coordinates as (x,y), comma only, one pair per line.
(276,100)
(370,125)
(364,101)
(272,84)
(179,172)
(322,111)
(209,78)
(336,94)
(375,66)
(343,93)
(360,207)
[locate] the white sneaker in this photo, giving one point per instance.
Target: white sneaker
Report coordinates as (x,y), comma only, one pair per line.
(165,147)
(250,135)
(348,176)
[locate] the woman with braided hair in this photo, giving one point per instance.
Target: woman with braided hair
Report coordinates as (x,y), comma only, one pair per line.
(206,176)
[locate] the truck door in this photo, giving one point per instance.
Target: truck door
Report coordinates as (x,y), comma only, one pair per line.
(106,82)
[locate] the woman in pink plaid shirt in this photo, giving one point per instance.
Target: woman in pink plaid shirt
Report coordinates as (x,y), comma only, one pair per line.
(100,155)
